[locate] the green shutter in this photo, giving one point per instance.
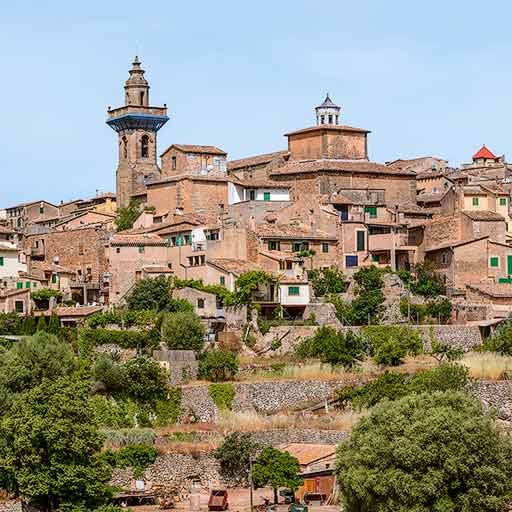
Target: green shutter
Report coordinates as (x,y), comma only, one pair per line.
(503,201)
(509,265)
(371,211)
(1,261)
(54,278)
(325,247)
(476,201)
(494,261)
(293,290)
(19,285)
(27,284)
(375,258)
(222,280)
(266,196)
(360,240)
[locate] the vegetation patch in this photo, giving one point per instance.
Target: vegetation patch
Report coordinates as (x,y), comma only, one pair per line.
(222,395)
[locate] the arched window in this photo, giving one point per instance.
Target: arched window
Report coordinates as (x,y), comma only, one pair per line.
(144,146)
(124,149)
(142,97)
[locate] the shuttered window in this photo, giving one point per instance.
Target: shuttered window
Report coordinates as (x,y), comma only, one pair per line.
(293,290)
(371,211)
(494,261)
(360,241)
(1,261)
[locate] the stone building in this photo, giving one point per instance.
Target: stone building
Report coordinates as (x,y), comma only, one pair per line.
(137,125)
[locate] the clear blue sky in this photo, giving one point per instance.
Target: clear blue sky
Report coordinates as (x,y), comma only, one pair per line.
(428,78)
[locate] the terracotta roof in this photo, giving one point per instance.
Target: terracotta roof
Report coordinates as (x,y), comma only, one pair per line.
(329,127)
(401,163)
(156,269)
(8,293)
(105,195)
(458,243)
(359,166)
(282,231)
(484,215)
(429,175)
(433,197)
(493,289)
(293,280)
(263,183)
(195,148)
(211,176)
(411,208)
(51,267)
(135,240)
(236,267)
(483,152)
(328,103)
(71,311)
(308,453)
(279,255)
(256,160)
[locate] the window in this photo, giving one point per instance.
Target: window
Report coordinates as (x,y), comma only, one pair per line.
(54,278)
(124,147)
(494,261)
(19,306)
(266,196)
(351,261)
(41,210)
(371,211)
(330,119)
(1,261)
(19,285)
(293,290)
(144,146)
(300,246)
(375,258)
(200,303)
(142,97)
(213,235)
(322,119)
(503,201)
(27,284)
(118,250)
(444,258)
(141,249)
(252,195)
(360,243)
(34,285)
(476,201)
(274,245)
(173,163)
(222,280)
(325,247)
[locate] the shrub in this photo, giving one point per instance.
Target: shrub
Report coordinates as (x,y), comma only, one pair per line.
(41,324)
(426,283)
(327,280)
(218,365)
(123,338)
(168,409)
(427,452)
(29,325)
(392,385)
(333,347)
(222,395)
(45,294)
(110,374)
(145,380)
(137,456)
(390,343)
(53,324)
(501,340)
(150,294)
(128,215)
(110,413)
(183,331)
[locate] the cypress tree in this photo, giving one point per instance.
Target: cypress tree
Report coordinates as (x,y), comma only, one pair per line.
(41,324)
(53,324)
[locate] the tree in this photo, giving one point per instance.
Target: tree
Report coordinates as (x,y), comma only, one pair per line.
(276,469)
(444,352)
(145,380)
(501,340)
(29,325)
(128,215)
(183,331)
(427,282)
(423,453)
(248,283)
(49,448)
(33,359)
(367,305)
(41,324)
(218,365)
(53,324)
(154,294)
(234,455)
(327,280)
(110,374)
(334,347)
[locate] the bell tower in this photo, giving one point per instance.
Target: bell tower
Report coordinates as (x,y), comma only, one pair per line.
(136,124)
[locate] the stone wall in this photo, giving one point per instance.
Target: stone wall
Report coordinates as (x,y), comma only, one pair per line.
(16,506)
(268,397)
(495,395)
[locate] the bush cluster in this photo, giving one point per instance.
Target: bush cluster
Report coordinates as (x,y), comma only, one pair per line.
(218,365)
(436,310)
(392,385)
(136,456)
(326,281)
(222,395)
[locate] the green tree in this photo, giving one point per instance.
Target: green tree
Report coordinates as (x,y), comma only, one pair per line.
(233,457)
(334,347)
(249,282)
(153,294)
(429,452)
(276,469)
(501,340)
(218,365)
(108,373)
(33,359)
(391,343)
(183,331)
(29,325)
(41,324)
(368,303)
(327,280)
(145,380)
(426,282)
(128,215)
(49,447)
(53,324)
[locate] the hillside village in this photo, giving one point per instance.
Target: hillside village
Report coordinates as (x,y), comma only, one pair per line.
(215,318)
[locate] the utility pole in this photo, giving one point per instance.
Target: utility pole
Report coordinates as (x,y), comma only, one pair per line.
(250,483)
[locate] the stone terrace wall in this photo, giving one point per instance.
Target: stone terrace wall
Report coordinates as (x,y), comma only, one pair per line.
(464,336)
(267,397)
(496,395)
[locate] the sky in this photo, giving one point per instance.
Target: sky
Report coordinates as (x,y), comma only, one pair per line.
(427,78)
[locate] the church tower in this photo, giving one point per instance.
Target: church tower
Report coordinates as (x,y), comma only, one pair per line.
(136,124)
(328,112)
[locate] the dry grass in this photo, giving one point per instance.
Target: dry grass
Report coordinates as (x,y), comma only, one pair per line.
(186,447)
(488,365)
(250,421)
